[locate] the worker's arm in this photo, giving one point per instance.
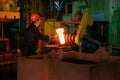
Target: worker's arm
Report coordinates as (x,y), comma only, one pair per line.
(44,37)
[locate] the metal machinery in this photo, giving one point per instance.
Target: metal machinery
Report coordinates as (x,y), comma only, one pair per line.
(8,67)
(7,17)
(71,39)
(114,32)
(65,40)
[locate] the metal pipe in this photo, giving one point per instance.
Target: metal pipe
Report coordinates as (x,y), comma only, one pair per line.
(2,29)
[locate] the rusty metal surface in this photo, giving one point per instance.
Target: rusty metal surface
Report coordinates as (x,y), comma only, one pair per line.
(31,69)
(106,71)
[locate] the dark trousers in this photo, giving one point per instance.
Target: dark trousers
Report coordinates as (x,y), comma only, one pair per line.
(28,51)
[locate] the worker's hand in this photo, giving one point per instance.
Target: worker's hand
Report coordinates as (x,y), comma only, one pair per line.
(52,38)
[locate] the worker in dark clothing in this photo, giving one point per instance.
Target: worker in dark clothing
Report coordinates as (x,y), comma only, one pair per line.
(32,36)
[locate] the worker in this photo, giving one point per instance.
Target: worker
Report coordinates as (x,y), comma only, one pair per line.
(32,36)
(77,16)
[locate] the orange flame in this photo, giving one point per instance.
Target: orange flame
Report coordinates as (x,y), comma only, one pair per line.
(61,35)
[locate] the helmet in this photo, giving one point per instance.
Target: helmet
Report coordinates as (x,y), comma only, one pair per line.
(35,17)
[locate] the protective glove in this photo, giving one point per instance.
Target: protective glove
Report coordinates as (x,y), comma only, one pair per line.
(52,39)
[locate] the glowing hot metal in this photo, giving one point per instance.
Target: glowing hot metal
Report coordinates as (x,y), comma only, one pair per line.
(60,32)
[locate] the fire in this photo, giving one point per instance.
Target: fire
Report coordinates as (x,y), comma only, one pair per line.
(60,32)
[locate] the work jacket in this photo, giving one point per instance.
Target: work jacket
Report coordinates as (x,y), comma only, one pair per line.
(31,39)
